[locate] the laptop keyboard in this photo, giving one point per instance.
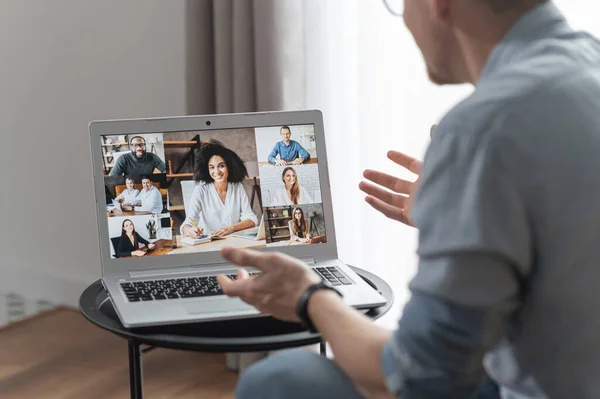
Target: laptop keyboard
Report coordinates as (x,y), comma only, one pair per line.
(196,287)
(333,275)
(177,288)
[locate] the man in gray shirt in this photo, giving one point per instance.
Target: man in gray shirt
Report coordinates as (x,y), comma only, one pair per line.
(507,207)
(138,162)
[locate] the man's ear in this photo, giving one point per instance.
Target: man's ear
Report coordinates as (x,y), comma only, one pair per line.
(439,9)
(432,130)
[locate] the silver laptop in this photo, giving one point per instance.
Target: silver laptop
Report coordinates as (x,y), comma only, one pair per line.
(254,233)
(150,276)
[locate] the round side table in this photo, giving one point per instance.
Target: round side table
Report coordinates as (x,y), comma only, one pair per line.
(255,334)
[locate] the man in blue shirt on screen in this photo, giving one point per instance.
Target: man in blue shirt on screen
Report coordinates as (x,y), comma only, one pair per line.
(507,209)
(289,151)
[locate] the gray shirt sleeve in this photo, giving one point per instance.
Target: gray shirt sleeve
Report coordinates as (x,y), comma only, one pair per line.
(159,164)
(471,204)
(119,168)
(474,250)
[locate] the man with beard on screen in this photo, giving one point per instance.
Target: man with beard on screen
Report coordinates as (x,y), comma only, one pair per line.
(138,162)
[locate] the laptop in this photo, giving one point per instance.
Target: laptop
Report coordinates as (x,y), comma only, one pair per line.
(255,233)
(173,283)
(116,204)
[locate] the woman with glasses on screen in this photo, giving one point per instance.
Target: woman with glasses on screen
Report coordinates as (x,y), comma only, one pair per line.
(299,230)
(219,206)
(138,162)
(291,193)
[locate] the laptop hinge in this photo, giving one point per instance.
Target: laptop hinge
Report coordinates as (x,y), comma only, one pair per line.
(309,261)
(216,268)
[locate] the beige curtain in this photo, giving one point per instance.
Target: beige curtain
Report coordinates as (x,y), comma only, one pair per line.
(244,56)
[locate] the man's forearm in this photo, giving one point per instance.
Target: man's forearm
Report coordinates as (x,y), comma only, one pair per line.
(356,341)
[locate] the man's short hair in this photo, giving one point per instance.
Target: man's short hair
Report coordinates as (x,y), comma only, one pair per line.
(236,169)
(147,177)
(285,127)
(137,137)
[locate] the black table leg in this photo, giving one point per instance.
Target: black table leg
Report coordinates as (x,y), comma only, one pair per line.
(135,370)
(323,347)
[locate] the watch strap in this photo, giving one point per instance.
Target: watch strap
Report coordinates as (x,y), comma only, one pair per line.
(302,305)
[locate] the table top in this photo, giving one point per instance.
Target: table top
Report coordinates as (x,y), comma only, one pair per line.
(311,161)
(238,335)
(117,212)
(165,247)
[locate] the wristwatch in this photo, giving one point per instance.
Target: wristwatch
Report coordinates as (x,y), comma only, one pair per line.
(302,305)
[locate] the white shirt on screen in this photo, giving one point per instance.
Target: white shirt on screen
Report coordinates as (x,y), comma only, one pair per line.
(150,201)
(127,196)
(282,198)
(210,213)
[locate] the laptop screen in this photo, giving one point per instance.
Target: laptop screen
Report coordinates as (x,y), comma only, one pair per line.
(187,192)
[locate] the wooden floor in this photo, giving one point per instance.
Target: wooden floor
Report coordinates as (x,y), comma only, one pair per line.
(59,354)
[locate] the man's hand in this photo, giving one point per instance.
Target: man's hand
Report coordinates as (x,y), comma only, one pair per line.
(277,289)
(394,206)
(151,246)
(280,162)
(298,161)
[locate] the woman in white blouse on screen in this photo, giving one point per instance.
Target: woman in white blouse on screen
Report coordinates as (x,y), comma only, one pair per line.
(128,196)
(292,193)
(220,206)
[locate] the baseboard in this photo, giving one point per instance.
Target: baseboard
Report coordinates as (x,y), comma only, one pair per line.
(39,285)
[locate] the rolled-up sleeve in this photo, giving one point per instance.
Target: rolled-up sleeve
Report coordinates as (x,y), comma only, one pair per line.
(437,350)
(474,255)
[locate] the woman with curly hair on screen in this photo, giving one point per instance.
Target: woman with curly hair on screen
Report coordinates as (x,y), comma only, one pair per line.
(219,205)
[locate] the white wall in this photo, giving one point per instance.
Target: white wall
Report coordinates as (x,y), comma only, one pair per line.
(64,64)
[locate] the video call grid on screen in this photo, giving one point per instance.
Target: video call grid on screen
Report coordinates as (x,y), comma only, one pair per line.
(257,188)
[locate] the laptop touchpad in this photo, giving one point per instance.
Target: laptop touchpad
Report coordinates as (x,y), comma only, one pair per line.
(229,305)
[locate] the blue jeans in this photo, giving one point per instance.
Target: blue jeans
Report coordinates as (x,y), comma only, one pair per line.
(303,374)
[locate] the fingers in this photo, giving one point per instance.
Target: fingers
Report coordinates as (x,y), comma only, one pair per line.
(242,274)
(388,210)
(408,162)
(226,283)
(384,195)
(233,287)
(393,183)
(248,257)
